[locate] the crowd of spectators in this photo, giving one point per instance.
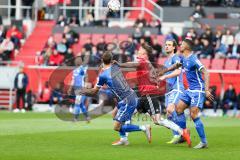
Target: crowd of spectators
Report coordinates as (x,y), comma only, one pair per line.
(215,44)
(55,54)
(229,101)
(61,53)
(207,44)
(10,41)
(88,21)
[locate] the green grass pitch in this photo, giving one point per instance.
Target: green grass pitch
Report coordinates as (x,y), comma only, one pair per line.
(41,136)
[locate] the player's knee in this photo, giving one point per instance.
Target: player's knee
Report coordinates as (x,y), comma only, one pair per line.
(116,129)
(155,120)
(194,112)
(113,114)
(179,110)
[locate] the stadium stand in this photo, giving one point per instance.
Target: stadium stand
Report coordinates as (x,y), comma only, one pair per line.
(214,43)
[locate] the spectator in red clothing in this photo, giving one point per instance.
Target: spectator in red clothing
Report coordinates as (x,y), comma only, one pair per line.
(15,35)
(55,59)
(46,93)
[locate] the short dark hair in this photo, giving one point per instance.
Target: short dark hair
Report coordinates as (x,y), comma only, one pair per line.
(149,51)
(174,44)
(147,47)
(189,43)
(107,57)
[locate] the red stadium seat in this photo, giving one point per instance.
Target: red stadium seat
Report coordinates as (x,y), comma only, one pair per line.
(217,64)
(122,37)
(206,62)
(231,64)
(77,48)
(96,38)
(109,37)
(84,37)
(161,60)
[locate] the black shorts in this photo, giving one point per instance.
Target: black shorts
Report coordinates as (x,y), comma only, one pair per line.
(149,104)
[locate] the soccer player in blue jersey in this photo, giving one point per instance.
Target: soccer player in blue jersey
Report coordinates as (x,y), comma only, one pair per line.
(112,76)
(78,82)
(174,87)
(194,96)
(149,90)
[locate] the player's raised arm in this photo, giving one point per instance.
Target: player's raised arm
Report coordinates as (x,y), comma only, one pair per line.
(162,70)
(90,92)
(86,58)
(126,65)
(175,73)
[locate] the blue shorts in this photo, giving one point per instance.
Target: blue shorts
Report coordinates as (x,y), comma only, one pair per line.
(172,97)
(126,108)
(193,98)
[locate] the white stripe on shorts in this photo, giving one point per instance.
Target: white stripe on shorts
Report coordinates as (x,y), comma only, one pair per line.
(151,104)
(120,116)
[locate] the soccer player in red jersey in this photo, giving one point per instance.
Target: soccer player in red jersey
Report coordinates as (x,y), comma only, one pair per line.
(149,89)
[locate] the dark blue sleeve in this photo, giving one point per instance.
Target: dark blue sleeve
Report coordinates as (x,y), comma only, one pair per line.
(101,81)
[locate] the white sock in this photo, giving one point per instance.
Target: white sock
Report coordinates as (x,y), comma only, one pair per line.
(143,128)
(123,138)
(170,125)
(127,122)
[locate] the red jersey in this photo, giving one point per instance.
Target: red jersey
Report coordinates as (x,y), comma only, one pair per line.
(147,85)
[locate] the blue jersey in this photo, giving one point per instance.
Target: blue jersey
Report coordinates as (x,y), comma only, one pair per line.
(175,83)
(114,79)
(78,76)
(192,67)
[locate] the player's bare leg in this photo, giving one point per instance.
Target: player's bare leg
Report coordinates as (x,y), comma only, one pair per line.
(117,126)
(123,137)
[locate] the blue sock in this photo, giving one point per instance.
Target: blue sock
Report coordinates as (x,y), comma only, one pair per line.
(84,110)
(129,128)
(77,109)
(122,134)
(172,118)
(200,129)
(180,119)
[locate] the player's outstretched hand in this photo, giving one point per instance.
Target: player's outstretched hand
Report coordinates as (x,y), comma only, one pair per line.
(209,96)
(178,64)
(162,78)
